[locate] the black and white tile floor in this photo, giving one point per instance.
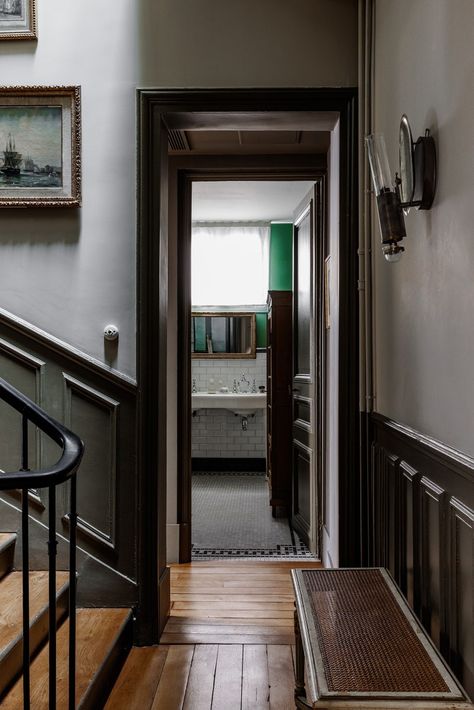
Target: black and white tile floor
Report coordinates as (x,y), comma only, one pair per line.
(232,519)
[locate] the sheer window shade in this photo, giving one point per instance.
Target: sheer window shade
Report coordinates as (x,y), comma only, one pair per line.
(230,265)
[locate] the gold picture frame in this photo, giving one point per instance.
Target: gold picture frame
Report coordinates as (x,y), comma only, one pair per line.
(40,146)
(249,353)
(18,20)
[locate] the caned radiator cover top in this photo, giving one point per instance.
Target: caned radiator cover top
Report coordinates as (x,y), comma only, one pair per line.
(363,639)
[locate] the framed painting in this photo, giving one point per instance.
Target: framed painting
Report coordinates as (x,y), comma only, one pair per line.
(40,146)
(17,19)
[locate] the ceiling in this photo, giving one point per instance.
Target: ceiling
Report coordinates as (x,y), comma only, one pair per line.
(249,200)
(248,142)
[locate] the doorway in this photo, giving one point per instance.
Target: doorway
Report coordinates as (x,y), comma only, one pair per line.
(241,371)
(161,114)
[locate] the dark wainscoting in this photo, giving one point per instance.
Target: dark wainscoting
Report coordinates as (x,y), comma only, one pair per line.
(420,502)
(99,404)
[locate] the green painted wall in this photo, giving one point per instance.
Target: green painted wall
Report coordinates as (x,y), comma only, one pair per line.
(281,257)
(261,323)
(280,271)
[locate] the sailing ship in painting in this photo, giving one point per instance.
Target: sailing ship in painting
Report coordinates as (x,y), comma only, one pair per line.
(12,159)
(30,174)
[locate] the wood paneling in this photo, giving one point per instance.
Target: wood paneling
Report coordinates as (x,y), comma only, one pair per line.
(101,408)
(421,526)
(93,416)
(461,578)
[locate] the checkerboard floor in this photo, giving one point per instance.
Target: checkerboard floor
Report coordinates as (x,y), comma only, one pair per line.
(231,518)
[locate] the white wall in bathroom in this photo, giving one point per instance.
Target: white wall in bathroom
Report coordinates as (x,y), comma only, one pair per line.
(217,433)
(228,371)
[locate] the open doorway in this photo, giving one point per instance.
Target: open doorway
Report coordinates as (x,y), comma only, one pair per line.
(241,366)
(166,118)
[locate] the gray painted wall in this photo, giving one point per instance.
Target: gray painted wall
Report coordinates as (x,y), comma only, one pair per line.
(72,272)
(424,305)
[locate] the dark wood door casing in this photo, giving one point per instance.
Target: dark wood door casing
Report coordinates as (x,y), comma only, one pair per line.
(183,172)
(154,106)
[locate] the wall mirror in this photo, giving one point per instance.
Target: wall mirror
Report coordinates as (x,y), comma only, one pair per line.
(223,335)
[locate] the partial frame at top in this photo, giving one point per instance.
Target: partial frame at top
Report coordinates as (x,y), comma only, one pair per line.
(18,20)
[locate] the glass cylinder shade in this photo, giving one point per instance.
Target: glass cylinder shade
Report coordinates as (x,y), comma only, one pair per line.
(378,162)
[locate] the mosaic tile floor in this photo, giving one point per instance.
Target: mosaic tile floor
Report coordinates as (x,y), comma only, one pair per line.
(232,519)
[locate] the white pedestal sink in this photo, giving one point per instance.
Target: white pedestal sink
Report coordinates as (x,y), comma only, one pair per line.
(242,403)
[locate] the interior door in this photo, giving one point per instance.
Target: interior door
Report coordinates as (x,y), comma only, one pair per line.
(306,395)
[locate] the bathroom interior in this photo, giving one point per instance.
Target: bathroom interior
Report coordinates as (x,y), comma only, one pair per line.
(241,253)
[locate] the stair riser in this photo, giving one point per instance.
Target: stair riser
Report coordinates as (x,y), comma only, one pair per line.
(11,663)
(7,553)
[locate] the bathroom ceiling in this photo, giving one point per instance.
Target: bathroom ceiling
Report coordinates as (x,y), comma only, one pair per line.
(249,200)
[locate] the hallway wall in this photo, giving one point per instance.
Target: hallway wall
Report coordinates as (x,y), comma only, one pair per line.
(424,304)
(70,272)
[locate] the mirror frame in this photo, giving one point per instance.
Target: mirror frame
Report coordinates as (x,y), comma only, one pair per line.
(229,356)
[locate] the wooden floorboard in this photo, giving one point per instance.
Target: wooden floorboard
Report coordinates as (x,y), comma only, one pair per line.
(221,600)
(228,644)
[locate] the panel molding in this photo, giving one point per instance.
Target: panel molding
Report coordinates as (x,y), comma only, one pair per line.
(74,386)
(36,365)
(427,512)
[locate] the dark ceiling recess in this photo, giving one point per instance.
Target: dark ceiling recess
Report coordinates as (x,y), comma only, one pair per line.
(247,142)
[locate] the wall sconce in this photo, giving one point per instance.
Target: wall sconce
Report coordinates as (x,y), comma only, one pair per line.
(414,186)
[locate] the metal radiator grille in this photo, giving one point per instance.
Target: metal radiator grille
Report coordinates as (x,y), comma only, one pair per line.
(366,642)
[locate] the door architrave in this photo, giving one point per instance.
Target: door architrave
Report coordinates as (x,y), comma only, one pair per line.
(154,106)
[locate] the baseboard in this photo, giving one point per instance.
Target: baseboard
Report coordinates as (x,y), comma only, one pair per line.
(172,543)
(164,597)
(222,464)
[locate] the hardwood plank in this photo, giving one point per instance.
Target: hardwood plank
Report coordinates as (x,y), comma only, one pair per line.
(92,647)
(201,678)
(248,605)
(255,685)
(246,565)
(180,620)
(174,678)
(241,589)
(236,613)
(230,598)
(191,638)
(229,628)
(228,680)
(138,681)
(280,677)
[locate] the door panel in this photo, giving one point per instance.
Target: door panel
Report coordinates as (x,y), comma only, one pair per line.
(307,239)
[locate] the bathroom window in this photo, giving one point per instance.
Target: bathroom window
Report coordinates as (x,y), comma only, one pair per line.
(229,265)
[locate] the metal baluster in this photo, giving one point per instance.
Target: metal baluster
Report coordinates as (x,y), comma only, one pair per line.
(72,596)
(25,568)
(52,544)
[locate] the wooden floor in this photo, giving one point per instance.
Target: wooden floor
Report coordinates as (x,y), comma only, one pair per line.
(228,644)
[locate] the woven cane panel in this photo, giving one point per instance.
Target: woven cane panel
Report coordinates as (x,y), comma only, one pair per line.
(366,642)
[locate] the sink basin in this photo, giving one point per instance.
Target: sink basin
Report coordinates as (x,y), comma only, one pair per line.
(242,403)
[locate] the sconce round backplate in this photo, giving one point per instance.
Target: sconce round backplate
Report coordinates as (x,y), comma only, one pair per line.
(406,161)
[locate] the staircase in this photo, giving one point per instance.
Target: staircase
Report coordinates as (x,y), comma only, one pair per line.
(103,640)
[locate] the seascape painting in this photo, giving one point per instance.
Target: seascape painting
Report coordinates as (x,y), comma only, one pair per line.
(30,147)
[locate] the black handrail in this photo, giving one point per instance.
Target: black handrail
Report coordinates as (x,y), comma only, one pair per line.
(63,470)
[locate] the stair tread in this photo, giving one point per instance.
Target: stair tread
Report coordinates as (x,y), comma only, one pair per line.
(11,622)
(137,684)
(97,632)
